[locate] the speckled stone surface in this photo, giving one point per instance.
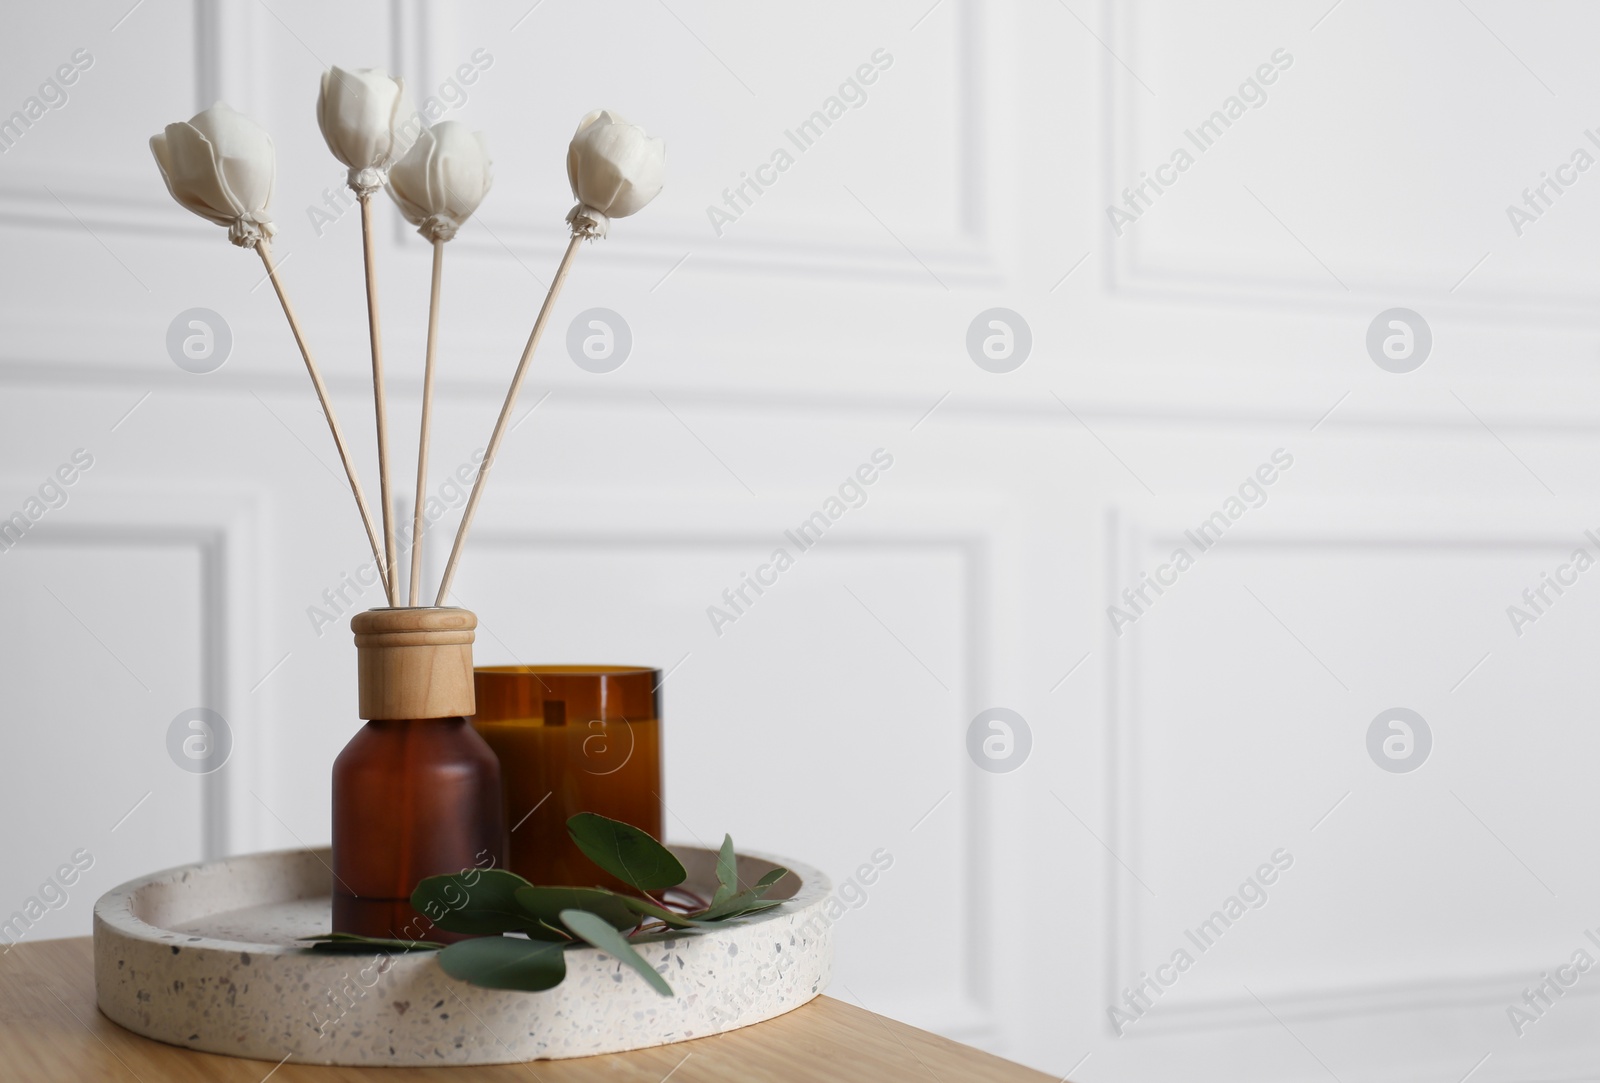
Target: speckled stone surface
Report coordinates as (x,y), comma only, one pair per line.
(204,957)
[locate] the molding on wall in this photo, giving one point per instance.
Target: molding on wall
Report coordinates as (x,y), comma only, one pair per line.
(1538,414)
(1131,273)
(222,528)
(1132,537)
(962,252)
(131,201)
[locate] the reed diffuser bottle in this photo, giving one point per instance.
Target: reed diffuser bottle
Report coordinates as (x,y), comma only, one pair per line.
(416,793)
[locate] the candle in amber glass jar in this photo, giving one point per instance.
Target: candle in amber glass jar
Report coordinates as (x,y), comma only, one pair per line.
(571,739)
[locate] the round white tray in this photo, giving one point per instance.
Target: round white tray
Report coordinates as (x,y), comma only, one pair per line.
(204,956)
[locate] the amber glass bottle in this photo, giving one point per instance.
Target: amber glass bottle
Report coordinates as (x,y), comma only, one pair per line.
(572,739)
(417,792)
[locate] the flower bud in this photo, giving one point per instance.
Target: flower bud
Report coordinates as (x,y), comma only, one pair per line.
(614,168)
(368,123)
(220,165)
(442,179)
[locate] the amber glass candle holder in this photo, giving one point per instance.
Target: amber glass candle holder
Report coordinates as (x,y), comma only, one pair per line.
(571,739)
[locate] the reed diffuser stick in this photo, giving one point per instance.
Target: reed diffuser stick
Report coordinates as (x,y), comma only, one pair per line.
(505,415)
(327,407)
(391,579)
(427,417)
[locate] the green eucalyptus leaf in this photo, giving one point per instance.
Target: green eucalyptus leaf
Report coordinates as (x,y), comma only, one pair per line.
(727,873)
(478,902)
(544,930)
(546,904)
(746,902)
(352,943)
(626,852)
(596,932)
(506,962)
(741,905)
(661,913)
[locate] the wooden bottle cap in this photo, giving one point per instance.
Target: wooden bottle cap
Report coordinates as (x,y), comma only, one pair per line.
(415,663)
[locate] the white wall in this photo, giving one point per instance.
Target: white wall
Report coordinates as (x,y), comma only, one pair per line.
(1168,762)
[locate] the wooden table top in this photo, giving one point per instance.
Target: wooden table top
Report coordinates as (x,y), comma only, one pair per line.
(51,1030)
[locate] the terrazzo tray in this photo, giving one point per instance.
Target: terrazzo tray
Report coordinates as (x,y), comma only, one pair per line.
(204,956)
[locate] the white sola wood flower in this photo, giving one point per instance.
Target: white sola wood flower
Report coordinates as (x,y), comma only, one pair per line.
(442,179)
(368,122)
(615,169)
(220,165)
